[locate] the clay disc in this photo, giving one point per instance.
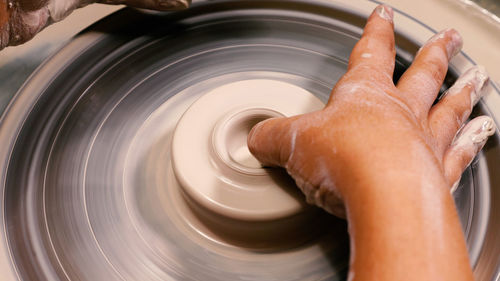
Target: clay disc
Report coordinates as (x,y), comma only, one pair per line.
(210,155)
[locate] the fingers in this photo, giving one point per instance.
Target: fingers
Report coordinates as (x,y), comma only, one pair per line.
(160,5)
(421,82)
(376,47)
(455,106)
(468,142)
(22,20)
(5,14)
(32,5)
(270,141)
(17,25)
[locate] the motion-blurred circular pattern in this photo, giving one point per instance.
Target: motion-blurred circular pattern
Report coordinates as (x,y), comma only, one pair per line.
(87,183)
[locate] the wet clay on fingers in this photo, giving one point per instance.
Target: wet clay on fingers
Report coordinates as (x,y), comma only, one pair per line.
(222,180)
(22,20)
(381,155)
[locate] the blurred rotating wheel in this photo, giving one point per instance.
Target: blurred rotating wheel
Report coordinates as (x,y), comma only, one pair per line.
(88,191)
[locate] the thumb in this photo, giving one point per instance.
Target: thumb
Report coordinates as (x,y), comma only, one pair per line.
(269,141)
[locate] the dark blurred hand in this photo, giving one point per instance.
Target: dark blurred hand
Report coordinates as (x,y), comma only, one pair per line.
(21,20)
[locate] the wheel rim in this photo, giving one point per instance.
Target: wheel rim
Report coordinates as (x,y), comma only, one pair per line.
(83,196)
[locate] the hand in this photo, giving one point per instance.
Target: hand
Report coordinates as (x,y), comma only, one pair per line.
(385,158)
(20,20)
(372,132)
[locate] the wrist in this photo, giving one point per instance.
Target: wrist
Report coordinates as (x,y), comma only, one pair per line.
(406,218)
(393,189)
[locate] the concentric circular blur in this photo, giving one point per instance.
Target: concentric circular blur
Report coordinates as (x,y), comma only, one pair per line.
(87,182)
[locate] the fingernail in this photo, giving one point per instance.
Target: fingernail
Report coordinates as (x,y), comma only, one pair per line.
(475,133)
(453,46)
(477,78)
(385,12)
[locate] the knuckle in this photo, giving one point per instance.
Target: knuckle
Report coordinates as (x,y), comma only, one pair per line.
(434,68)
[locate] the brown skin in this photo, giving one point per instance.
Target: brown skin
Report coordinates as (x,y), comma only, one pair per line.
(4,23)
(4,13)
(14,29)
(379,151)
(30,5)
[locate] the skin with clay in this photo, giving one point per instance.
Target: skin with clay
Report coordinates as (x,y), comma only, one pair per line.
(385,158)
(380,155)
(21,20)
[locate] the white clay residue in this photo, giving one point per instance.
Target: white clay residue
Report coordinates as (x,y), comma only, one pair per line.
(27,24)
(385,12)
(35,20)
(454,186)
(350,276)
(59,9)
(371,87)
(477,77)
(471,138)
(293,139)
(474,134)
(453,46)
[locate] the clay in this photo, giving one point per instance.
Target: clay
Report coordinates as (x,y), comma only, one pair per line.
(212,162)
(477,78)
(471,138)
(453,46)
(59,9)
(22,20)
(385,12)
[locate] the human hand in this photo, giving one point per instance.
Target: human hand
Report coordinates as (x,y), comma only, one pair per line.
(21,20)
(373,132)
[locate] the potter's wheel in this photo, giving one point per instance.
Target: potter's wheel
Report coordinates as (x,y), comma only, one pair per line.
(89,189)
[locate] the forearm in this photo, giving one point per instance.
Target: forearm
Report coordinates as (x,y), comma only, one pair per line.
(405,230)
(390,154)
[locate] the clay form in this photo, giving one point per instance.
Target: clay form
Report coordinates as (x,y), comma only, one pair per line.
(116,208)
(210,155)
